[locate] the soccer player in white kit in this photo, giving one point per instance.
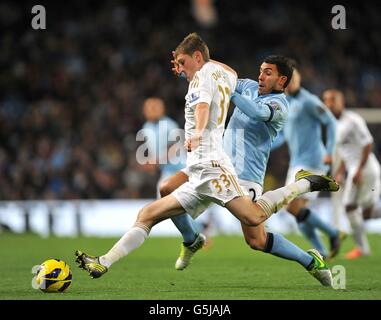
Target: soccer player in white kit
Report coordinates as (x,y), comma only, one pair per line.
(361,192)
(212,177)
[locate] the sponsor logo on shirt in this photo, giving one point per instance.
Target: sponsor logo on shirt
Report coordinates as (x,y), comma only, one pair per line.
(193,97)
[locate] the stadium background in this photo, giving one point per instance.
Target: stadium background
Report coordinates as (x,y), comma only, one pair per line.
(71,95)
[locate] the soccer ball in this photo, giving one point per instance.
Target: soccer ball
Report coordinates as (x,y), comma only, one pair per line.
(53,275)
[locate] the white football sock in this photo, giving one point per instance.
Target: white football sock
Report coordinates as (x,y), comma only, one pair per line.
(338,209)
(357,224)
(131,240)
(273,201)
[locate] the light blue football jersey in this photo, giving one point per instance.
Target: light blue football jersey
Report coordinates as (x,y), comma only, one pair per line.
(303,130)
(158,139)
(252,128)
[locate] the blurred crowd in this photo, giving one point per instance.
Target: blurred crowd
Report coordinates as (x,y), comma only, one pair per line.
(71,95)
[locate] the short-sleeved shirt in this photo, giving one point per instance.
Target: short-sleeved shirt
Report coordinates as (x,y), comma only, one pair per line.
(352,136)
(213,85)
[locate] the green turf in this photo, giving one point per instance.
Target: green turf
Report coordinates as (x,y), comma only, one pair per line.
(227,270)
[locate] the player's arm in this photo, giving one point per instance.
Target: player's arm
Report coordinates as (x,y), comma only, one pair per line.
(363,138)
(364,158)
(201,119)
(243,84)
(339,174)
(254,109)
(326,117)
(201,97)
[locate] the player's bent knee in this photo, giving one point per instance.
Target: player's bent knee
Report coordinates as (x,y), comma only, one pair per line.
(165,188)
(146,217)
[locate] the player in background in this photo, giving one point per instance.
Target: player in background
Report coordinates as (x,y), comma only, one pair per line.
(303,134)
(362,189)
(160,132)
(260,114)
(212,177)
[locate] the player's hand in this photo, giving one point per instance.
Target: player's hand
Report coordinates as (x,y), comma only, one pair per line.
(192,143)
(357,178)
(175,65)
(327,159)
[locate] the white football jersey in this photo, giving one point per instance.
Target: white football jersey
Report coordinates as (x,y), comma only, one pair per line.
(213,85)
(352,136)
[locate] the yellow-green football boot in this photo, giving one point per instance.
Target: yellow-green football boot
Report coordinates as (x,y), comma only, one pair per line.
(318,182)
(320,270)
(187,252)
(91,264)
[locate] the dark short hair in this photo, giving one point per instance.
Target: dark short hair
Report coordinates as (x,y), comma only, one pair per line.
(295,64)
(191,43)
(284,65)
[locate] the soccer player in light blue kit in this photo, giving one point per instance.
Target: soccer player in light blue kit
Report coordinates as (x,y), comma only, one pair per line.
(157,131)
(261,111)
(303,134)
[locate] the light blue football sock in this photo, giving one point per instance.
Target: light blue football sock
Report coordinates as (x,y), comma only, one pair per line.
(187,227)
(285,249)
(314,220)
(311,234)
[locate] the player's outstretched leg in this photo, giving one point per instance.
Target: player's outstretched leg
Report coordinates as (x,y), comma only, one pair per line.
(320,270)
(277,245)
(91,264)
(274,200)
(187,252)
(359,234)
(151,214)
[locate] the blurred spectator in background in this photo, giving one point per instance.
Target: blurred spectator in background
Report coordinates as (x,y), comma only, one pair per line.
(205,12)
(70,94)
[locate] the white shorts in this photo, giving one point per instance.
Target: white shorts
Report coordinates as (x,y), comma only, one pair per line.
(291,178)
(254,189)
(367,193)
(209,182)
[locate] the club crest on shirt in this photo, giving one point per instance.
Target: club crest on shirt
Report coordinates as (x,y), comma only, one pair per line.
(247,93)
(321,109)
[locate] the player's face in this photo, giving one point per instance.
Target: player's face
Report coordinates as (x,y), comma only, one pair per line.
(187,65)
(269,79)
(334,101)
(153,109)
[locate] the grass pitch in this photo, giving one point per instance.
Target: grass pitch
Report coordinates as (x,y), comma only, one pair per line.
(227,270)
